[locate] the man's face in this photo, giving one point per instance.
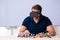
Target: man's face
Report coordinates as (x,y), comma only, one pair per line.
(35,13)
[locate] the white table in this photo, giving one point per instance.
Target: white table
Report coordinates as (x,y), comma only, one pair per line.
(15,38)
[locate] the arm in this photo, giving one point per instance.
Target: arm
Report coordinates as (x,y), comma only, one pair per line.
(51,30)
(23,30)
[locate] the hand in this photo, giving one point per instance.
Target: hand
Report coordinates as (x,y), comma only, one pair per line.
(26,32)
(37,35)
(40,35)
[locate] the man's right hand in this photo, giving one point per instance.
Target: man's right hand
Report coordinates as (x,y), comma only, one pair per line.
(26,32)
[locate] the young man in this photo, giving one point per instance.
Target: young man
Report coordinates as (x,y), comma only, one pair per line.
(37,23)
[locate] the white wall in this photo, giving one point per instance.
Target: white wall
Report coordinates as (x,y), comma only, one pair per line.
(12,12)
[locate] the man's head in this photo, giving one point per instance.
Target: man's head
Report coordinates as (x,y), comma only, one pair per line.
(37,8)
(36,11)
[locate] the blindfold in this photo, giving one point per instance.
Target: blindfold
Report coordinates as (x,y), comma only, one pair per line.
(35,14)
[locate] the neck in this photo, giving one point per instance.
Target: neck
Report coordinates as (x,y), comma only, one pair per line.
(36,20)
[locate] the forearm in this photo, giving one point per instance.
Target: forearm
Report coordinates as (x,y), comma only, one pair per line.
(47,34)
(24,32)
(52,33)
(51,30)
(21,31)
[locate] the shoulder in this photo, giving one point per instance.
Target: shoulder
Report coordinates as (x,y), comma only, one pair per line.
(45,18)
(28,18)
(26,21)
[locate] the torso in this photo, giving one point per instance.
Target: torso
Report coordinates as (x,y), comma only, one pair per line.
(35,28)
(38,27)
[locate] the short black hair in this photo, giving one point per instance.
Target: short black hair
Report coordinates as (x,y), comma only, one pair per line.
(38,7)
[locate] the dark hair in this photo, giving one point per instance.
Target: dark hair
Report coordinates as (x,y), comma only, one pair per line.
(38,7)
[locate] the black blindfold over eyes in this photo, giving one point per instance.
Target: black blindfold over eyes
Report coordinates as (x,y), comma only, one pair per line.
(35,14)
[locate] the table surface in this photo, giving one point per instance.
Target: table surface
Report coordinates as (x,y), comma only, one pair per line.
(15,38)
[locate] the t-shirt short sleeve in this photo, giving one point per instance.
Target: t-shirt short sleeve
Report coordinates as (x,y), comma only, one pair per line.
(26,21)
(48,22)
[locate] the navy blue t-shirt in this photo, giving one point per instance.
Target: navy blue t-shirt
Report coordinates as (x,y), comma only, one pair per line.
(36,28)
